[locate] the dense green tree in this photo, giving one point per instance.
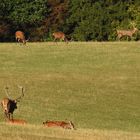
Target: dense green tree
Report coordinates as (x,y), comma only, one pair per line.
(83,20)
(23,14)
(98,20)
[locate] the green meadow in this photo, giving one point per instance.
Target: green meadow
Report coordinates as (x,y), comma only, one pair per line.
(96,85)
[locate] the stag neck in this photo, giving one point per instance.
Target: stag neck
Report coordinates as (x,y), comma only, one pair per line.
(135,29)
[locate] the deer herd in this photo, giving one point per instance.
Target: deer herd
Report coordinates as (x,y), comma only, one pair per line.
(9,105)
(20,36)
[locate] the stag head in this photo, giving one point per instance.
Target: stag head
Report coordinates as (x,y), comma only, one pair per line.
(18,98)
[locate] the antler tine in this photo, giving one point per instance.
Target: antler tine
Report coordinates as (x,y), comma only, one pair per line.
(22,93)
(6,91)
(133,24)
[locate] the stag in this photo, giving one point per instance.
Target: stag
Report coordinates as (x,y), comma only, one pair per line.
(128,33)
(9,105)
(62,124)
(20,37)
(59,36)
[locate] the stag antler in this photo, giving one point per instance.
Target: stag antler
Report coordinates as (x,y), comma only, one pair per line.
(22,93)
(133,24)
(7,92)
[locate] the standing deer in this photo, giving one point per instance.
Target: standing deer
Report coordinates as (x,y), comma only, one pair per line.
(20,37)
(9,105)
(128,33)
(60,36)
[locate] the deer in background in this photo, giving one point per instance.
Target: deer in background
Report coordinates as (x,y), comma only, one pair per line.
(128,33)
(60,36)
(63,124)
(20,37)
(9,105)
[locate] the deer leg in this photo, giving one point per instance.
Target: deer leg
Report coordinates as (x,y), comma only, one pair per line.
(66,40)
(55,40)
(11,116)
(19,41)
(7,116)
(119,37)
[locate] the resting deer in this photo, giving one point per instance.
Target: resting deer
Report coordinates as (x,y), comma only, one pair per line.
(63,124)
(20,37)
(9,105)
(128,33)
(17,121)
(60,36)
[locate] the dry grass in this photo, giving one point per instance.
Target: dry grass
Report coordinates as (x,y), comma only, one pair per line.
(37,132)
(95,85)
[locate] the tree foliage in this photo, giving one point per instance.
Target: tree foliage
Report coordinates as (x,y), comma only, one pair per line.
(82,20)
(98,20)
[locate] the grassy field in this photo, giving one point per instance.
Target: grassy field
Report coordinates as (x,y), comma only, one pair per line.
(95,85)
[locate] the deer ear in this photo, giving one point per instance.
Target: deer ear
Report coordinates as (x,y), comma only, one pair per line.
(16,101)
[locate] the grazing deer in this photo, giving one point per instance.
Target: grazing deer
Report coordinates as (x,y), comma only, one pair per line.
(60,36)
(63,124)
(128,33)
(17,121)
(20,37)
(9,105)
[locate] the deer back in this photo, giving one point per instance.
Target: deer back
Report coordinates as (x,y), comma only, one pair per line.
(20,35)
(63,124)
(59,35)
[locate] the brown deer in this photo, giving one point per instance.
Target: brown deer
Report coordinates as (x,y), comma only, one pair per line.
(63,124)
(9,105)
(20,37)
(17,121)
(60,36)
(128,33)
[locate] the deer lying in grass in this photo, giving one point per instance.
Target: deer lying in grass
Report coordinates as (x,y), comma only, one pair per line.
(9,105)
(59,36)
(129,33)
(62,124)
(17,121)
(20,37)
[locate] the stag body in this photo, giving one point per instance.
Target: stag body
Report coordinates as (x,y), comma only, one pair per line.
(128,33)
(63,124)
(60,36)
(20,37)
(9,105)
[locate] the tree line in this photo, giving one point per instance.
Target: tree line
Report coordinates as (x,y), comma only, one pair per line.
(80,20)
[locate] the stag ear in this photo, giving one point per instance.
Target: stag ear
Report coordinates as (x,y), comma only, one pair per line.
(15,101)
